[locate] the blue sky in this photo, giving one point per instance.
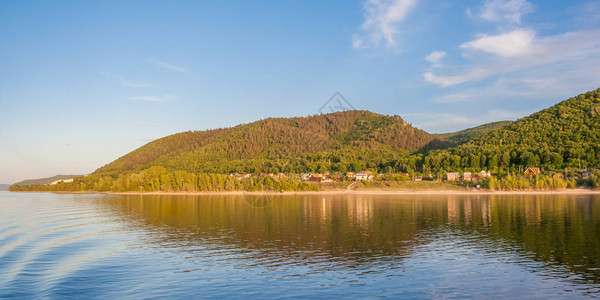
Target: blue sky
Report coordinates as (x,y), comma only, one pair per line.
(84,82)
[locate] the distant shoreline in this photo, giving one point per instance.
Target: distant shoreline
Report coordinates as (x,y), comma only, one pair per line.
(349,192)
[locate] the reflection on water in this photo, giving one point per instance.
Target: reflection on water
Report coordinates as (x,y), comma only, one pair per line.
(299,246)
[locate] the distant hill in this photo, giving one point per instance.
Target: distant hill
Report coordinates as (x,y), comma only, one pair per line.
(464,136)
(4,187)
(350,140)
(46,180)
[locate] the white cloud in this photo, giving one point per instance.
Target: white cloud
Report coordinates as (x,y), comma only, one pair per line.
(570,49)
(504,11)
(515,43)
(68,144)
(435,56)
(151,98)
(169,66)
(382,18)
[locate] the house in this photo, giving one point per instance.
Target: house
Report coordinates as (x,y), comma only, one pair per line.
(363,176)
(475,178)
(484,173)
(61,180)
(242,176)
(531,172)
(305,177)
(559,175)
(452,176)
(585,174)
(418,178)
(316,177)
(351,176)
(466,176)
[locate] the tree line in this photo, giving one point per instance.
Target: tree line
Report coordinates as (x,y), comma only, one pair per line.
(159,179)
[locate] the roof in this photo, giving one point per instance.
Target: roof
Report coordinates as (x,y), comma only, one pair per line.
(534,170)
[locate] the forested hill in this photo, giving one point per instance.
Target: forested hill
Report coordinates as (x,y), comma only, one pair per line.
(46,180)
(463,136)
(343,140)
(564,135)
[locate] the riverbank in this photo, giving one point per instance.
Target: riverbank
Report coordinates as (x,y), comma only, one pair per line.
(360,192)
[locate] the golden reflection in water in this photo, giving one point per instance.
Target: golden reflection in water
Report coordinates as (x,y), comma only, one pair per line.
(563,229)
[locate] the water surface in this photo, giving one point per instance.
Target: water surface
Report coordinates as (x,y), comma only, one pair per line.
(99,246)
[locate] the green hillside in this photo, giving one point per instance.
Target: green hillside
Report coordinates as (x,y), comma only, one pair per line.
(342,141)
(564,135)
(464,136)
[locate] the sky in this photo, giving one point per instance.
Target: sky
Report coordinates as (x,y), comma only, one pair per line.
(85,82)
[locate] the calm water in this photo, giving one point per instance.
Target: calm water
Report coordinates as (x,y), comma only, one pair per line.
(106,246)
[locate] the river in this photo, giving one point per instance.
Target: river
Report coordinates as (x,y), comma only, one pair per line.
(92,246)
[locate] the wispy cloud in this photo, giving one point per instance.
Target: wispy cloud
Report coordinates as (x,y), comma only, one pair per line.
(435,56)
(133,83)
(382,19)
(127,81)
(449,122)
(540,83)
(169,66)
(515,43)
(151,98)
(503,11)
(68,144)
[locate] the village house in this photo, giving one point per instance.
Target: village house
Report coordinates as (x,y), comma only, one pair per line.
(466,176)
(351,176)
(559,175)
(418,178)
(452,176)
(239,176)
(363,176)
(305,177)
(61,180)
(316,177)
(484,173)
(531,172)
